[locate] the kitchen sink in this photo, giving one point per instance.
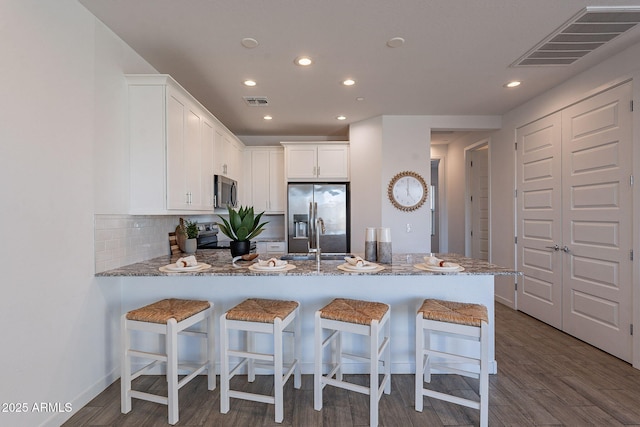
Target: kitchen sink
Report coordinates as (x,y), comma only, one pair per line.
(312,257)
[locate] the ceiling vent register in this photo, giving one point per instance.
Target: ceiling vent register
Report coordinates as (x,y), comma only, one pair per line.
(586,31)
(256,101)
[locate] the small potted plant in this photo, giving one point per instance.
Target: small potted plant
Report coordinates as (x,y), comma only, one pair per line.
(191,231)
(242,226)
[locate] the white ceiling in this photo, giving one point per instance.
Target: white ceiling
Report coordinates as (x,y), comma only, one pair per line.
(455,59)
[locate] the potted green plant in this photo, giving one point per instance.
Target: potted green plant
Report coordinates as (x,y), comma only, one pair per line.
(242,226)
(191,231)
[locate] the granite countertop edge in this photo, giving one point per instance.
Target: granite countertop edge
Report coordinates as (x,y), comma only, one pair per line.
(220,261)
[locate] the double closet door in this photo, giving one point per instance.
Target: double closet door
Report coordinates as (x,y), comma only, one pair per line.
(574,220)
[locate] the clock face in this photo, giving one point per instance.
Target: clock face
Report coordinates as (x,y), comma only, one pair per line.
(407,191)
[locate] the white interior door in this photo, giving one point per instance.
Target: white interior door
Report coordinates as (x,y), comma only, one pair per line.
(479,199)
(597,209)
(539,227)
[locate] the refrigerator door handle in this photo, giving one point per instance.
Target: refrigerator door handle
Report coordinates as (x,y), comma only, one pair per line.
(311,227)
(315,225)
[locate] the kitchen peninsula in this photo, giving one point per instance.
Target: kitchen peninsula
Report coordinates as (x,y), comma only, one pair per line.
(399,284)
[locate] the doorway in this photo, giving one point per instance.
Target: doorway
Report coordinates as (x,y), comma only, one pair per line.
(435,206)
(477,200)
(574,220)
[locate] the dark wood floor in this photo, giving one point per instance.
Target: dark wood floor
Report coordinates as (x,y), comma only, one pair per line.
(545,378)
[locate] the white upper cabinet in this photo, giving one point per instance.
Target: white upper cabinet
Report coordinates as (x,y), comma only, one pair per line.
(266,190)
(317,161)
(184,151)
(227,154)
(172,147)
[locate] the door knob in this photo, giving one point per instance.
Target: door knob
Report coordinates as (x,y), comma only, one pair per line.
(554,247)
(566,249)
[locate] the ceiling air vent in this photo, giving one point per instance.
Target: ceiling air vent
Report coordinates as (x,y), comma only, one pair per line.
(591,28)
(256,101)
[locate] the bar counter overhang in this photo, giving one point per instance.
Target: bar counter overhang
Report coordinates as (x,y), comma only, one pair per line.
(399,284)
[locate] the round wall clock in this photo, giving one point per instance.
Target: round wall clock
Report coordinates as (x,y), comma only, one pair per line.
(407,191)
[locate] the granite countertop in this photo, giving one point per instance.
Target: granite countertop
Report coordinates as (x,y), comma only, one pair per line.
(220,261)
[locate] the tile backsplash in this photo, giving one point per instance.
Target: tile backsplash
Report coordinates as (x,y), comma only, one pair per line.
(125,239)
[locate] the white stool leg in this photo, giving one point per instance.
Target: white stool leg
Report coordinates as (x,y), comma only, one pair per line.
(297,350)
(317,374)
(211,350)
(125,366)
(172,370)
(419,363)
(374,348)
(278,385)
(484,375)
(336,355)
(224,365)
(250,343)
(387,356)
(427,362)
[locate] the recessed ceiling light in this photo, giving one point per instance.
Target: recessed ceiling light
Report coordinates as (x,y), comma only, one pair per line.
(249,43)
(341,118)
(267,117)
(303,61)
(395,42)
(514,83)
(349,82)
(250,83)
(360,98)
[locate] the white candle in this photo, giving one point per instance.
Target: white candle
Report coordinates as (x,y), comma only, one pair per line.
(384,235)
(371,234)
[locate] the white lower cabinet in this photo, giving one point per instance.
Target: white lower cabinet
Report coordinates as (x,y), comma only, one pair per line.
(270,249)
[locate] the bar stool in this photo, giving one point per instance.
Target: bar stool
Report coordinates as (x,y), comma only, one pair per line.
(356,317)
(268,317)
(460,321)
(168,317)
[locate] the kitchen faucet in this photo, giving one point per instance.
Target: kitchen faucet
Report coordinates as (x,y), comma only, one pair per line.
(319,228)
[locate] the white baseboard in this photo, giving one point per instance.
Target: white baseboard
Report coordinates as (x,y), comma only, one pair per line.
(81,400)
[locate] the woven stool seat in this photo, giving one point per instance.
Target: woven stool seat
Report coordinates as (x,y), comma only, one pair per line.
(261,310)
(354,311)
(173,308)
(454,312)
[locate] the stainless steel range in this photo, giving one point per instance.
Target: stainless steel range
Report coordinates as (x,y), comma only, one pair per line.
(208,237)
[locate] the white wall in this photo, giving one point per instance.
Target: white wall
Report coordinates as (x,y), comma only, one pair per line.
(383,146)
(366,162)
(60,72)
(406,142)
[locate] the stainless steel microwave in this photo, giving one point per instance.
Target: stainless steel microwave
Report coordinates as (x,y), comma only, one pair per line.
(225,192)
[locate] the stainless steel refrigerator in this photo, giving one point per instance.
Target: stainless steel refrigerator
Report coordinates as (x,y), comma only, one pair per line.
(306,203)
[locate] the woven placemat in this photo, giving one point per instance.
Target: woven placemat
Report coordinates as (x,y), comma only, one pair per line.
(169,268)
(346,269)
